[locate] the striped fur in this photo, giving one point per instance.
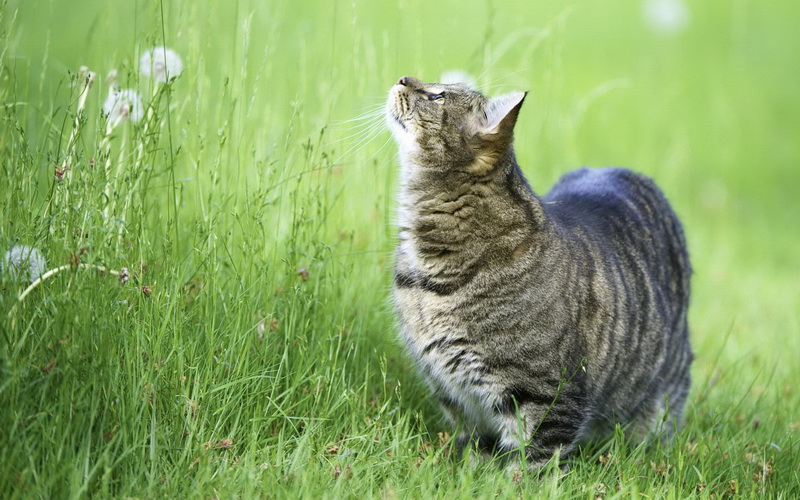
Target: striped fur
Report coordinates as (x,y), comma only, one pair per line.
(537,322)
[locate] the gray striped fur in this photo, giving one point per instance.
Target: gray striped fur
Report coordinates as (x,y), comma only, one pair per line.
(537,322)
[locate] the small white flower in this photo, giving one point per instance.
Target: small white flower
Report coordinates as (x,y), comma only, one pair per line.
(458,76)
(261,328)
(23,262)
(666,16)
(160,63)
(123,104)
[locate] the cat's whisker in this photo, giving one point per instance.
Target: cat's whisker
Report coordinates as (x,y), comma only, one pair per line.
(494,83)
(365,113)
(378,110)
(535,38)
(362,122)
(358,135)
(502,88)
(370,134)
(380,148)
(360,145)
(489,67)
(375,105)
(536,35)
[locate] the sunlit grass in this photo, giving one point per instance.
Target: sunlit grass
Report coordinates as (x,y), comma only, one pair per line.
(252,352)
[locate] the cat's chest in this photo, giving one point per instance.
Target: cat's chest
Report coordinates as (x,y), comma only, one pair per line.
(429,314)
(427,318)
(439,339)
(452,362)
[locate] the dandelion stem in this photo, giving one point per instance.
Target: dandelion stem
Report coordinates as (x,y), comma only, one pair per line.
(169,133)
(105,145)
(55,271)
(136,170)
(89,78)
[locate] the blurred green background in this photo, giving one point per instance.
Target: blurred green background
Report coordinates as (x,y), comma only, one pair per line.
(268,158)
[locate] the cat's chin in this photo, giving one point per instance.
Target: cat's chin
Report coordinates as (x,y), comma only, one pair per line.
(395,123)
(402,135)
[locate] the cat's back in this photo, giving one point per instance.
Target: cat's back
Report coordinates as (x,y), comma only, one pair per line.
(614,203)
(601,196)
(627,216)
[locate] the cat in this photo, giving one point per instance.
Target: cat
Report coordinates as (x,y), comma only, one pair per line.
(538,323)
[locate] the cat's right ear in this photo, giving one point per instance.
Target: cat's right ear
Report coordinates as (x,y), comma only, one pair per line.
(501,115)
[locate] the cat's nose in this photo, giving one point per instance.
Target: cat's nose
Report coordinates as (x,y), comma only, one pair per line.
(406,81)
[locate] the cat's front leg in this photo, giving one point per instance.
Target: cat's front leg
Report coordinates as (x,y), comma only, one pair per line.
(483,445)
(468,436)
(535,433)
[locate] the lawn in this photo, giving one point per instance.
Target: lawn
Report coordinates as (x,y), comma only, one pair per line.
(220,322)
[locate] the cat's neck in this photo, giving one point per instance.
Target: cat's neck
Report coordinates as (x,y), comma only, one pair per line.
(451,218)
(502,187)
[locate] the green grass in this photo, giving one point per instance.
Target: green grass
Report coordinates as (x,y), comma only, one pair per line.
(242,174)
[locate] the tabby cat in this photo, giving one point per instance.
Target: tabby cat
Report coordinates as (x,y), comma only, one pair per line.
(537,322)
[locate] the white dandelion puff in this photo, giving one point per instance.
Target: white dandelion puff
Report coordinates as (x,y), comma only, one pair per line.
(666,16)
(160,63)
(111,78)
(84,79)
(458,76)
(122,105)
(23,262)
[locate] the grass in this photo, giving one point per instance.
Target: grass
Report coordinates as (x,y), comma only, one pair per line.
(261,359)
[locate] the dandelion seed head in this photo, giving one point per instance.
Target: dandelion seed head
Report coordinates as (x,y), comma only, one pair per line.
(111,77)
(160,63)
(84,78)
(458,76)
(23,262)
(85,75)
(666,16)
(123,105)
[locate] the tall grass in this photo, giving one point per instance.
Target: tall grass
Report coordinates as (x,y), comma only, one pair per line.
(252,352)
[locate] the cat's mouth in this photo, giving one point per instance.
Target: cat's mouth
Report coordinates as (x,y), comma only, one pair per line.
(393,115)
(400,119)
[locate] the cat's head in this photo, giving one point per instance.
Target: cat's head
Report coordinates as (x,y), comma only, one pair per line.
(451,126)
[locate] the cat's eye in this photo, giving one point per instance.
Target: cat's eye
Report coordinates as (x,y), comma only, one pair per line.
(439,98)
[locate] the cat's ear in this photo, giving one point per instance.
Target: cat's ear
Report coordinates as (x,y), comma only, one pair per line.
(501,115)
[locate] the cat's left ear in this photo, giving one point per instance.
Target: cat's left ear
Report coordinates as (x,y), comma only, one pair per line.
(501,115)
